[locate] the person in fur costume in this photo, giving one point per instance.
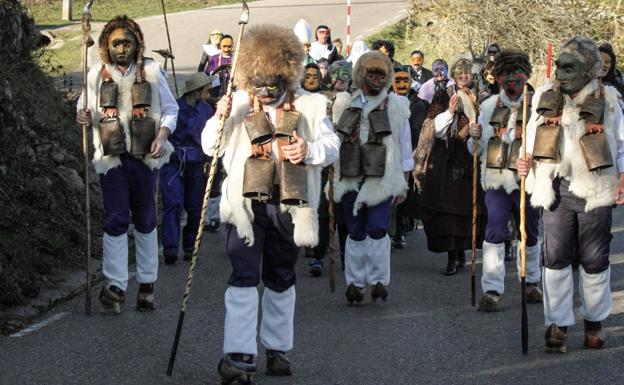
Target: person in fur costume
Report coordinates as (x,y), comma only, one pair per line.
(367,191)
(444,168)
(267,232)
(577,201)
(127,177)
(501,118)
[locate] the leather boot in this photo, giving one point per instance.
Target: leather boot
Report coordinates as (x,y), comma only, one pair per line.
(534,293)
(277,364)
(451,265)
(379,291)
(145,297)
(355,294)
(594,336)
(556,339)
(111,298)
(239,367)
(489,301)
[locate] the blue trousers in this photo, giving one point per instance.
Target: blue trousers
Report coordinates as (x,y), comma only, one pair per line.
(373,221)
(273,255)
(129,187)
(181,188)
(499,206)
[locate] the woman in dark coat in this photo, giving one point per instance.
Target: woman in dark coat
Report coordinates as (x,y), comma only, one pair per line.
(446,178)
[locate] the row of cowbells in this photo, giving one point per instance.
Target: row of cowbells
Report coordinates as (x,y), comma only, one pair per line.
(259,181)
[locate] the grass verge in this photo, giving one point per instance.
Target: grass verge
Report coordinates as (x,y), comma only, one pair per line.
(49,13)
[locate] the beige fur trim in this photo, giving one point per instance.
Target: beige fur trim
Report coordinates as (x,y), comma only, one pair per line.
(596,188)
(376,190)
(124,83)
(235,208)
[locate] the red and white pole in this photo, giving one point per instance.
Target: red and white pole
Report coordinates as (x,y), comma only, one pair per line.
(348,49)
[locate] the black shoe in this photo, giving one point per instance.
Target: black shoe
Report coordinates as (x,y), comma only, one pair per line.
(237,367)
(188,255)
(379,291)
(399,242)
(212,226)
(111,298)
(316,267)
(461,259)
(355,294)
(145,297)
(170,257)
(277,364)
(451,265)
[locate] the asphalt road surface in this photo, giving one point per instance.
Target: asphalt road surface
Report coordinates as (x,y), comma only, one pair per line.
(426,334)
(190,29)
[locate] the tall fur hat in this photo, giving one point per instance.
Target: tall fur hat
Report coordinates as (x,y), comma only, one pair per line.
(372,60)
(586,50)
(269,50)
(509,60)
(121,21)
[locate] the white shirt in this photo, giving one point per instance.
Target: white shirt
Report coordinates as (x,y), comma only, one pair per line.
(322,152)
(168,105)
(318,51)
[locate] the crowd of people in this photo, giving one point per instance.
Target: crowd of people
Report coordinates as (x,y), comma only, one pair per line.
(313,133)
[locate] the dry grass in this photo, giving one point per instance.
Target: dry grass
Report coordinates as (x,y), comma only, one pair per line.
(441,28)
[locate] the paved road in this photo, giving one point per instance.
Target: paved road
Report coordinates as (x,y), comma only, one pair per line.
(426,334)
(189,30)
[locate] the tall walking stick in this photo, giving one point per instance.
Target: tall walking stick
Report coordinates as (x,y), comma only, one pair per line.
(87,42)
(332,230)
(175,82)
(244,19)
(473,257)
(523,235)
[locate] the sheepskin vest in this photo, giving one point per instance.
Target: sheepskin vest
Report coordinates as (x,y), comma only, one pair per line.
(492,178)
(374,190)
(124,106)
(235,208)
(596,188)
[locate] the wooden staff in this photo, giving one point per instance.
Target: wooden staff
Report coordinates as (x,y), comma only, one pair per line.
(332,230)
(175,82)
(244,19)
(523,235)
(473,258)
(87,42)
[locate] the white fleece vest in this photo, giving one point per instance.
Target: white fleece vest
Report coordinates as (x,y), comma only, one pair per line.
(375,190)
(493,178)
(596,188)
(124,105)
(236,209)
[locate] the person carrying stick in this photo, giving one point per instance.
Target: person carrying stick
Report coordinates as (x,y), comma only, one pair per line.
(276,139)
(575,172)
(499,136)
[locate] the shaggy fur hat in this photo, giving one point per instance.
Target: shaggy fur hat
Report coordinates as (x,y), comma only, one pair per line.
(510,60)
(586,50)
(121,21)
(269,50)
(372,60)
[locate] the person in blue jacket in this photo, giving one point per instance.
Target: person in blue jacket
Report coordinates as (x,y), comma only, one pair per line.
(182,180)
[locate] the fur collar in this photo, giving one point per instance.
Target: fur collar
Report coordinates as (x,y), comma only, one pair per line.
(596,188)
(372,191)
(124,83)
(236,209)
